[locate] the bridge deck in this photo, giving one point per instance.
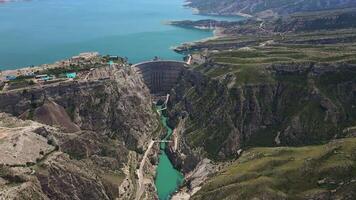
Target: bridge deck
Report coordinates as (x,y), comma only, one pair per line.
(163,141)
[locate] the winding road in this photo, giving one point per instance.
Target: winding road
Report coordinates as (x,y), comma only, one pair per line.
(141,186)
(139,172)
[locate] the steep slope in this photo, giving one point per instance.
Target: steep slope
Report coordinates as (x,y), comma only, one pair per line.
(280,82)
(314,172)
(267,8)
(278,90)
(281,105)
(94,104)
(21,168)
(52,114)
(99,127)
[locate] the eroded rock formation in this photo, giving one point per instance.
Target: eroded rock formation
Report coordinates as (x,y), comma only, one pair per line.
(87,144)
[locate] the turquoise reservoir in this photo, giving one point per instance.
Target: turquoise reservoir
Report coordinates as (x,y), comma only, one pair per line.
(37,32)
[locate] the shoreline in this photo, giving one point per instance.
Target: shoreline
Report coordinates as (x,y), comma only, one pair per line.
(12,70)
(26,70)
(196,11)
(217,31)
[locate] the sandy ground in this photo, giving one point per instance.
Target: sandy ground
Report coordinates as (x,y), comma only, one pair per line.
(3,133)
(141,184)
(20,145)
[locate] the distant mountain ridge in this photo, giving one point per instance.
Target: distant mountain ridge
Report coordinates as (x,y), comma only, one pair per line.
(267,8)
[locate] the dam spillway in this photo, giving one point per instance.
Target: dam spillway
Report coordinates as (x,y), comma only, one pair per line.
(160,76)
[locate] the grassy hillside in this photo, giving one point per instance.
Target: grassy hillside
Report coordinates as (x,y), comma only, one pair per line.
(250,65)
(312,172)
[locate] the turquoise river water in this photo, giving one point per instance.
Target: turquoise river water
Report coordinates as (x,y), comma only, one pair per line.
(43,31)
(168,179)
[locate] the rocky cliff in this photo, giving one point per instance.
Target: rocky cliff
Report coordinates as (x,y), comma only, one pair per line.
(304,104)
(268,83)
(119,107)
(88,142)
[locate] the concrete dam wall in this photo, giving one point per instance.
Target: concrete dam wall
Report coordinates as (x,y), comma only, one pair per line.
(161,76)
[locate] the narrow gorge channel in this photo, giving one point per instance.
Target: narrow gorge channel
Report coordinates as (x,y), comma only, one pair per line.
(168,179)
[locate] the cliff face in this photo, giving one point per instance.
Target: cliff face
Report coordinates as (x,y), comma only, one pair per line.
(327,20)
(38,162)
(87,149)
(304,104)
(269,83)
(119,106)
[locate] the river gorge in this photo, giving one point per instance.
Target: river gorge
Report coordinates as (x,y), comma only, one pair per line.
(266,109)
(168,179)
(69,31)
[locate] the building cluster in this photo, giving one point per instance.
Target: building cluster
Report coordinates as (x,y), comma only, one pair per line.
(83,59)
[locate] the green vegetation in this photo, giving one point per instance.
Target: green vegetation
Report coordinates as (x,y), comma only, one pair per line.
(21,78)
(7,174)
(249,66)
(82,66)
(285,172)
(71,111)
(20,83)
(62,70)
(109,148)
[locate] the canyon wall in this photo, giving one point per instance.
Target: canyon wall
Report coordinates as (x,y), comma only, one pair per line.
(92,134)
(305,104)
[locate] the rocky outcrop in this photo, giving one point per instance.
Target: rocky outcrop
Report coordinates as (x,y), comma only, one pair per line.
(195,180)
(52,114)
(39,161)
(59,174)
(19,144)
